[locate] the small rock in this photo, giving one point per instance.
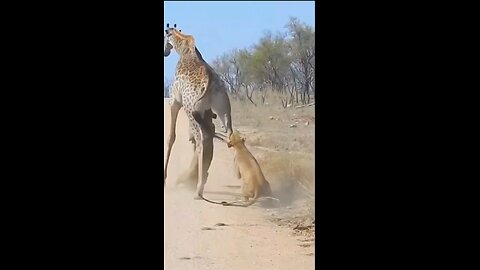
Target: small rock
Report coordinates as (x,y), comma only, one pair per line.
(293,125)
(306,123)
(271,117)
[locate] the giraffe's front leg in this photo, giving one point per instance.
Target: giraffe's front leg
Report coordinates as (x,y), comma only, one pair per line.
(190,134)
(174,109)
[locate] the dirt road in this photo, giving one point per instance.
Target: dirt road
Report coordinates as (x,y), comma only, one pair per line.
(199,235)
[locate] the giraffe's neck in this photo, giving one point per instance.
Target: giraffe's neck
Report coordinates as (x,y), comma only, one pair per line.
(190,59)
(190,56)
(196,55)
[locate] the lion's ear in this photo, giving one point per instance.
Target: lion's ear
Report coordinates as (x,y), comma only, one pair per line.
(244,139)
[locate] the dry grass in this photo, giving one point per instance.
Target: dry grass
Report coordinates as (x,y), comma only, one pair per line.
(285,153)
(291,176)
(272,126)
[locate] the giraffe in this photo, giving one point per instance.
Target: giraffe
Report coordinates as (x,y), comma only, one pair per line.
(220,102)
(195,87)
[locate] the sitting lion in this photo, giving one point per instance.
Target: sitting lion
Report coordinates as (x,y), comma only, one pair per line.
(247,168)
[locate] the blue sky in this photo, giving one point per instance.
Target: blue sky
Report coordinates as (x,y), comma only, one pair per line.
(219,27)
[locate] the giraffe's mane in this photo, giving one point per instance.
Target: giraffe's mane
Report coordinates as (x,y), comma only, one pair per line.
(198,53)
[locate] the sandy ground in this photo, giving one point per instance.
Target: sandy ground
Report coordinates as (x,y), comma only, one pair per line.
(199,235)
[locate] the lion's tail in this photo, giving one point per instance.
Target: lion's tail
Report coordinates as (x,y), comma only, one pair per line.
(250,202)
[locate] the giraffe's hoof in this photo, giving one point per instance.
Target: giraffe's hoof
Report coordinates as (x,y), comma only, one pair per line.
(197,197)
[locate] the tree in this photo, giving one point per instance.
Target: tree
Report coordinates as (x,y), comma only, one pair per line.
(234,69)
(228,69)
(270,61)
(284,63)
(302,46)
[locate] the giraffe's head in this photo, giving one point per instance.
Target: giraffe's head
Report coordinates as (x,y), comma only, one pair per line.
(167,47)
(174,39)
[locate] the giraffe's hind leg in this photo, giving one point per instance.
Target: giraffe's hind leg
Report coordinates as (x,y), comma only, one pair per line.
(174,109)
(204,148)
(199,150)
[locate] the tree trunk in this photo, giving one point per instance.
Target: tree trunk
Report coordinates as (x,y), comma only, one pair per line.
(249,97)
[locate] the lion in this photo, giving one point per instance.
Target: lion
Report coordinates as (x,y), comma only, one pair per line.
(246,167)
